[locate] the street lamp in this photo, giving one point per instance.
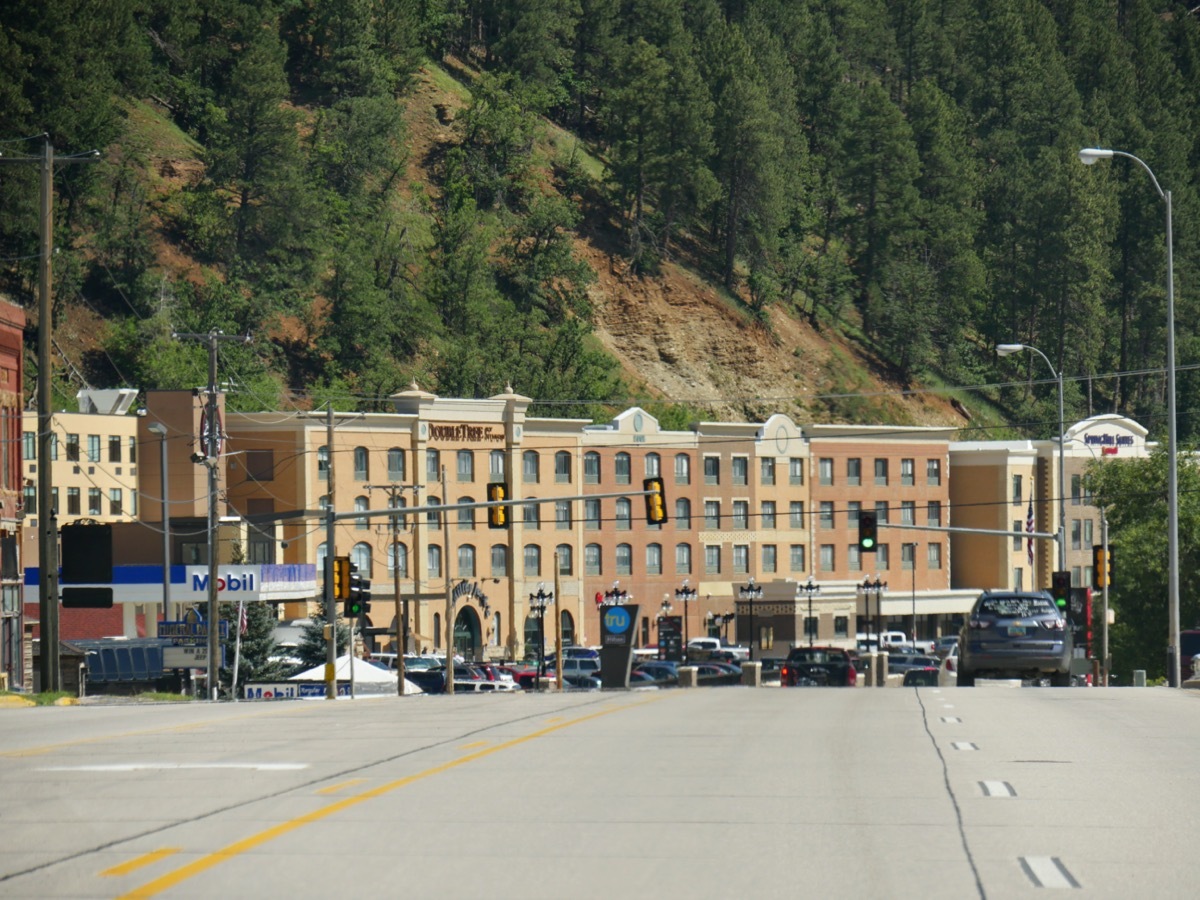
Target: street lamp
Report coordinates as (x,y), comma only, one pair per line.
(1005,350)
(161,430)
(684,594)
(810,626)
(615,595)
(751,592)
(1088,156)
(878,587)
(538,602)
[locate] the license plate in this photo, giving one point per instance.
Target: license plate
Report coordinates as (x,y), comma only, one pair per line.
(1017,631)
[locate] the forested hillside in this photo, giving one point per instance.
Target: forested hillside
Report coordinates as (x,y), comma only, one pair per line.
(896,179)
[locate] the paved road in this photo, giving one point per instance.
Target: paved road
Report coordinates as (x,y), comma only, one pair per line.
(712,793)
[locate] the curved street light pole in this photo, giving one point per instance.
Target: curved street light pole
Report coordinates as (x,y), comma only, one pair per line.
(1005,350)
(1088,156)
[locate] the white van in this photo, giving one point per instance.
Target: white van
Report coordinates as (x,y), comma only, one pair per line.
(883,639)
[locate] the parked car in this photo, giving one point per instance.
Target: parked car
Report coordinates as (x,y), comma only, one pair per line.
(1015,634)
(713,673)
(660,672)
(944,645)
(902,662)
(829,666)
(584,666)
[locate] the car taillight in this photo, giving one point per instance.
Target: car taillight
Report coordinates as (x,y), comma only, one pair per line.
(785,674)
(979,623)
(852,677)
(949,663)
(1056,625)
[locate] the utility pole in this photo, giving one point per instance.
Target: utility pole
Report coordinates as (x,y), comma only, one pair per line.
(210,434)
(330,552)
(449,593)
(50,667)
(394,491)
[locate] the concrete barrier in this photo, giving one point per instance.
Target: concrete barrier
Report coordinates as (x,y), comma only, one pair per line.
(881,669)
(752,674)
(689,676)
(1139,677)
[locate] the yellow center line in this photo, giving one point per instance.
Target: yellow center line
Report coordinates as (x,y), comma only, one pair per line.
(474,745)
(334,788)
(144,860)
(204,863)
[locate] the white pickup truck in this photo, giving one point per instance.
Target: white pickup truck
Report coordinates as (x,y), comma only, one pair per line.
(699,648)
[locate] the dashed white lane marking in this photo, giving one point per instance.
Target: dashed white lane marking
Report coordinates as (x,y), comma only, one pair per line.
(963,745)
(137,767)
(1048,872)
(952,720)
(997,789)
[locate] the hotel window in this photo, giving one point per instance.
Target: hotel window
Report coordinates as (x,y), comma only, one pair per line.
(591,515)
(624,559)
(653,465)
(854,472)
(683,468)
(882,558)
(72,448)
(767,520)
(397,551)
(854,557)
(766,467)
(433,466)
(622,468)
(362,465)
(433,561)
(908,553)
(93,448)
(841,626)
(853,511)
(828,557)
(1016,489)
(1076,534)
(592,560)
(683,514)
(529,467)
(562,515)
(1018,531)
(591,467)
(395,463)
(825,471)
(796,470)
(712,514)
(654,559)
(712,470)
(114,501)
(53,447)
(73,501)
(712,560)
(362,523)
(29,445)
(770,562)
(533,561)
(531,516)
(741,514)
(908,512)
(132,449)
(466,561)
(826,514)
(908,475)
(933,472)
(741,559)
(881,512)
(740,470)
(933,556)
(1088,533)
(499,561)
(796,557)
(466,517)
(624,514)
(114,448)
(360,558)
(465,465)
(881,472)
(433,518)
(496,465)
(562,467)
(796,514)
(566,565)
(94,501)
(683,559)
(1076,489)
(29,506)
(933,514)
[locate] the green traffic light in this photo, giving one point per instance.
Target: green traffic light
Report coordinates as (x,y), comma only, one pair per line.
(868,543)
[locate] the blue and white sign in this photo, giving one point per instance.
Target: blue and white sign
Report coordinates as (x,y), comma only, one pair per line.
(189,584)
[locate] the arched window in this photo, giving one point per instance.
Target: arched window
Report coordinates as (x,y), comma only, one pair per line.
(530,515)
(499,561)
(533,561)
(593,558)
(396,550)
(433,518)
(624,559)
(624,514)
(361,504)
(530,473)
(323,463)
(562,467)
(466,517)
(591,467)
(653,465)
(564,559)
(466,561)
(683,468)
(683,559)
(360,557)
(683,514)
(433,558)
(362,464)
(465,465)
(567,624)
(396,466)
(496,465)
(622,468)
(654,559)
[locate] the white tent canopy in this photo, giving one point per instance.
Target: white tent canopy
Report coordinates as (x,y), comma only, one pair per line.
(364,673)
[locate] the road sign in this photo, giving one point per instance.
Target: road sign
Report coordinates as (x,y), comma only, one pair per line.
(185,657)
(191,631)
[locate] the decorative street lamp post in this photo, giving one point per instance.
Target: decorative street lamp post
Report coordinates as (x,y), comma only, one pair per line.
(538,602)
(810,626)
(877,587)
(684,594)
(751,592)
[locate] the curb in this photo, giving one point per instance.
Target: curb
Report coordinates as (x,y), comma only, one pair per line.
(12,701)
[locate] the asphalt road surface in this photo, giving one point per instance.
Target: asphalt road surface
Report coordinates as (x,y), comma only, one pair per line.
(718,792)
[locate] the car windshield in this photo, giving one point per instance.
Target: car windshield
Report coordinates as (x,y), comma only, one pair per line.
(814,656)
(1016,607)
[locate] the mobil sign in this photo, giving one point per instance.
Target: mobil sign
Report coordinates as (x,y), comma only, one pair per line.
(234,582)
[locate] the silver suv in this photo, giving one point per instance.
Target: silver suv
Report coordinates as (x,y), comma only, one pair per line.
(1015,634)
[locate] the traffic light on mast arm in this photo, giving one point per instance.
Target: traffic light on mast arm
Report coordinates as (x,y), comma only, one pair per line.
(497,491)
(359,601)
(656,501)
(1060,588)
(341,578)
(1102,567)
(868,537)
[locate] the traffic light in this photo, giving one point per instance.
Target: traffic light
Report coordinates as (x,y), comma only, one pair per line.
(497,491)
(656,502)
(341,578)
(358,603)
(1060,587)
(1101,567)
(868,538)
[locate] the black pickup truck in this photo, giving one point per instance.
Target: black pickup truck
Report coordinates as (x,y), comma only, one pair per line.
(818,666)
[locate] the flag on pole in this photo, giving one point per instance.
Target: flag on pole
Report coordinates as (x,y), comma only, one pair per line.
(1029,531)
(243,624)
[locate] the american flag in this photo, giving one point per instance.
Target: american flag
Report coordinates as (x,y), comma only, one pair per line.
(244,625)
(1029,531)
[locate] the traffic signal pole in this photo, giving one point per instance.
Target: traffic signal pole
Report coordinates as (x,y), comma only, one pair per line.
(330,540)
